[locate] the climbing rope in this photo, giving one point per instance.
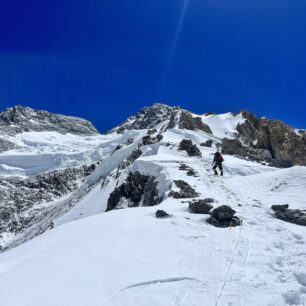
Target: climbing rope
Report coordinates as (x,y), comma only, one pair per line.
(230,266)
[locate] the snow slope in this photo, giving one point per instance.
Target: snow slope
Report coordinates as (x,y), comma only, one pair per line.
(128,257)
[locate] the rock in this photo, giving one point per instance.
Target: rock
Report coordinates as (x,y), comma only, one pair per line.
(136,189)
(18,119)
(186,191)
(190,148)
(269,141)
(161,214)
(146,118)
(223,212)
(280,207)
(207,143)
(21,198)
(200,207)
(191,172)
(6,145)
(223,216)
(295,216)
(189,122)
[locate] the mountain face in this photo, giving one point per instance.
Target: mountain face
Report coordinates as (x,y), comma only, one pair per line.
(267,140)
(18,119)
(71,187)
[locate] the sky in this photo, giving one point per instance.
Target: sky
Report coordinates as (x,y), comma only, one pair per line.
(104,60)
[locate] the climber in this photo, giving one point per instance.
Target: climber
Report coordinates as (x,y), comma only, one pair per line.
(217,162)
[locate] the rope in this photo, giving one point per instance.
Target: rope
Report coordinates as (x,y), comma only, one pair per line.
(229,268)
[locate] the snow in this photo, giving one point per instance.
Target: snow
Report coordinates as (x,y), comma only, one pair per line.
(129,257)
(223,125)
(44,151)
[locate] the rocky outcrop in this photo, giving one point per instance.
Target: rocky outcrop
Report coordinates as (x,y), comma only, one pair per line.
(191,149)
(137,190)
(207,143)
(189,122)
(296,216)
(265,140)
(202,206)
(186,191)
(146,118)
(18,119)
(22,200)
(185,120)
(223,216)
(235,147)
(6,145)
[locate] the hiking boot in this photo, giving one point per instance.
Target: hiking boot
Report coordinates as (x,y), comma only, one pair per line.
(216,173)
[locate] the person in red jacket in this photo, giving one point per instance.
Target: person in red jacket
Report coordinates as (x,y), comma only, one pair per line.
(217,162)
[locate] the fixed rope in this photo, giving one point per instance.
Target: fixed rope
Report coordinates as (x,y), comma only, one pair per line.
(230,266)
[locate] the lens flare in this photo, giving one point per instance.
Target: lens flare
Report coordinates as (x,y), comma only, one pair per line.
(173,47)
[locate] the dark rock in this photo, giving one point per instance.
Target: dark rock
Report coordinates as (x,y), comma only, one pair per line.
(223,216)
(235,221)
(161,214)
(189,122)
(148,139)
(186,191)
(223,212)
(207,143)
(283,207)
(295,216)
(137,188)
(151,131)
(191,172)
(265,140)
(190,148)
(201,206)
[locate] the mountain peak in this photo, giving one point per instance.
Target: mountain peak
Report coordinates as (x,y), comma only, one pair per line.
(19,118)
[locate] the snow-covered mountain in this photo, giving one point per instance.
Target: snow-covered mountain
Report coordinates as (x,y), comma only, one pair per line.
(75,190)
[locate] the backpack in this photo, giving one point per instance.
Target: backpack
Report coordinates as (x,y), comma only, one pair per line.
(218,157)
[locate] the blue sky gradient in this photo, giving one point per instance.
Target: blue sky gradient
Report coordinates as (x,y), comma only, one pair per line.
(104,60)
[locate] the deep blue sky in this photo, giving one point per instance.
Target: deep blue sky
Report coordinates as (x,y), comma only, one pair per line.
(103,60)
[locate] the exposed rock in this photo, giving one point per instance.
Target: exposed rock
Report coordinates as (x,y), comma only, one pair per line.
(148,139)
(161,214)
(235,221)
(152,131)
(18,119)
(146,118)
(223,212)
(295,216)
(189,122)
(134,155)
(21,199)
(191,149)
(283,207)
(136,189)
(201,206)
(223,216)
(267,140)
(207,143)
(186,191)
(6,145)
(235,147)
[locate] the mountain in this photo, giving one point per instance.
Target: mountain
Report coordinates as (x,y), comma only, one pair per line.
(136,217)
